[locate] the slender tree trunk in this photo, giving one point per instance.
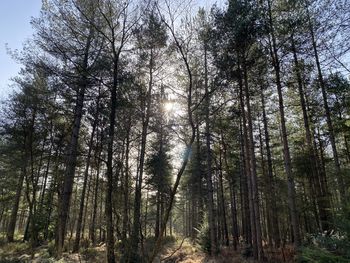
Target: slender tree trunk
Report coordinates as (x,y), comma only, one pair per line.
(286,151)
(137,202)
(235,233)
(254,186)
(247,229)
(110,152)
(86,175)
(211,211)
(13,218)
(322,203)
(126,183)
(45,177)
(340,180)
(71,159)
(347,148)
(271,181)
(267,214)
(223,206)
(156,233)
(97,186)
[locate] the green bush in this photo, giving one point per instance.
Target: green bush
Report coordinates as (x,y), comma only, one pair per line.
(319,255)
(89,254)
(85,243)
(51,248)
(333,246)
(203,238)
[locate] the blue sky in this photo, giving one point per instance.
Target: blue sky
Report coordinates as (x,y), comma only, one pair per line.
(15,28)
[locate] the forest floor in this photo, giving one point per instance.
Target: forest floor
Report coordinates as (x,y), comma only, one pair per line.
(178,251)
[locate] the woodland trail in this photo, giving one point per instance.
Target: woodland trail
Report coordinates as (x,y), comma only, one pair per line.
(178,251)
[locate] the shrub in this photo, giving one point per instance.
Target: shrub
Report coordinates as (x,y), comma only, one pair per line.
(51,249)
(85,243)
(319,255)
(333,246)
(203,238)
(89,254)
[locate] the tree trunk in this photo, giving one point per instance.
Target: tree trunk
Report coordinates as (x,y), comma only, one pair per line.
(271,181)
(71,159)
(340,180)
(321,198)
(97,185)
(223,206)
(286,152)
(86,175)
(138,185)
(126,183)
(254,185)
(13,218)
(211,211)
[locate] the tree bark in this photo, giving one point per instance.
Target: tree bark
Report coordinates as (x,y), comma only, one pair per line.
(13,218)
(135,240)
(254,185)
(321,197)
(71,159)
(286,152)
(211,211)
(340,179)
(76,246)
(271,181)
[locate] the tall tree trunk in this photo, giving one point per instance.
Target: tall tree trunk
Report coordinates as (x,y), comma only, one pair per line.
(286,152)
(211,211)
(13,218)
(235,234)
(71,159)
(76,245)
(340,179)
(135,240)
(157,226)
(46,176)
(266,215)
(110,152)
(246,226)
(94,211)
(188,144)
(321,198)
(223,206)
(254,185)
(271,181)
(126,183)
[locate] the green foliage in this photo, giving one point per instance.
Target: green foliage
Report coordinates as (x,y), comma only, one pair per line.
(12,261)
(329,247)
(85,243)
(51,248)
(319,255)
(203,237)
(89,253)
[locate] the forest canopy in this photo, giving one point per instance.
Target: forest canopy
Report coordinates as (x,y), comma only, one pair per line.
(176,131)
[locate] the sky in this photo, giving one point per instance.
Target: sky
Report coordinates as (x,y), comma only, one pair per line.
(15,28)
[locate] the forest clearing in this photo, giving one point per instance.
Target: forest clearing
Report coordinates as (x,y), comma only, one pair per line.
(179,131)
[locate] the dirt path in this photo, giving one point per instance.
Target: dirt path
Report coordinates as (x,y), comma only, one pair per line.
(188,253)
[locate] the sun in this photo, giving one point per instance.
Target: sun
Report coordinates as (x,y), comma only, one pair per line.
(168,106)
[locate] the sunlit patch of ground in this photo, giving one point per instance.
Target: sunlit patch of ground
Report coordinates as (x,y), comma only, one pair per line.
(19,252)
(189,253)
(173,252)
